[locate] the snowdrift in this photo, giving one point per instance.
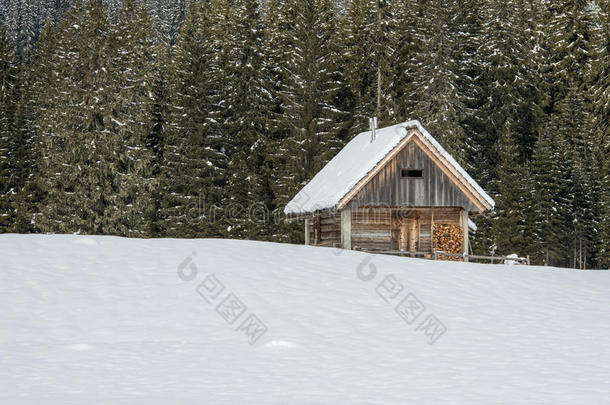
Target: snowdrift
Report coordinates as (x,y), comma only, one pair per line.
(122,321)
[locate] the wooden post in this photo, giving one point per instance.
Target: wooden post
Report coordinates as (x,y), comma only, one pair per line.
(317,230)
(346,228)
(306,231)
(432,231)
(465,227)
(413,236)
(403,246)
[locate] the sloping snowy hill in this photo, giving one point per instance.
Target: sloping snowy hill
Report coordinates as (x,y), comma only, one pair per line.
(110,320)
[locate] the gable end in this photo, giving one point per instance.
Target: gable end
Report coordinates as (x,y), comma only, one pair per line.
(439,186)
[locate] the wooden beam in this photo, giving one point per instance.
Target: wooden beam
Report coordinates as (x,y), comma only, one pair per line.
(465,227)
(346,228)
(432,229)
(317,230)
(413,234)
(404,237)
(307,231)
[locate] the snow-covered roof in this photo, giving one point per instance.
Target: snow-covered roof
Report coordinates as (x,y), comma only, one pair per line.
(356,160)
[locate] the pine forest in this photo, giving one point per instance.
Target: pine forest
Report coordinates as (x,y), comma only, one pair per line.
(192,119)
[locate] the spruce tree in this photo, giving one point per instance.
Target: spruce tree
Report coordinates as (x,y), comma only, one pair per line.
(278,21)
(402,64)
(509,88)
(552,199)
(22,19)
(68,157)
(585,178)
(158,132)
(572,89)
(95,166)
(601,75)
(572,50)
(193,174)
(128,121)
(600,112)
(512,215)
(168,16)
(9,98)
(435,96)
(310,122)
(28,152)
(244,109)
(365,43)
(603,258)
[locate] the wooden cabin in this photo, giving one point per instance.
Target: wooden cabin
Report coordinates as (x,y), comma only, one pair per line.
(393,190)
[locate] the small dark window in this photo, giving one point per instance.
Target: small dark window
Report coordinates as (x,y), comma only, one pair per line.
(411,173)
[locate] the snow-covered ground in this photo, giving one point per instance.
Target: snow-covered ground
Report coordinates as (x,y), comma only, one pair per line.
(111,321)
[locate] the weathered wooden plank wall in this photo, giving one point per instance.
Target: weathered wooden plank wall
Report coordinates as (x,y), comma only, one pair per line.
(380,228)
(434,189)
(371,228)
(328,229)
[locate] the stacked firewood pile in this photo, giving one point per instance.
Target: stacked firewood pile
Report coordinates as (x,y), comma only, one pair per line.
(448,238)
